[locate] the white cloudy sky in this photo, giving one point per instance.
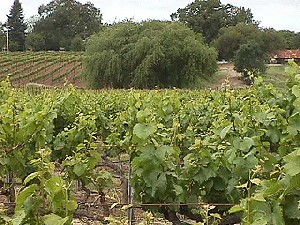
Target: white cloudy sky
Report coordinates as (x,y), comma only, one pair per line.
(279,14)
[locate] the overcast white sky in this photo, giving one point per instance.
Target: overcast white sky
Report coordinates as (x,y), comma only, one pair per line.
(279,14)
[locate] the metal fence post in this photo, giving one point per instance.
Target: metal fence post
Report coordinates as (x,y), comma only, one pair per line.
(130,211)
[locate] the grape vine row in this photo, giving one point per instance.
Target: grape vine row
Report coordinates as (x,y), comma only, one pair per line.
(48,68)
(237,147)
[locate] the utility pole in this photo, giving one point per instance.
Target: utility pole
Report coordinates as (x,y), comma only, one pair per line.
(6,28)
(7,40)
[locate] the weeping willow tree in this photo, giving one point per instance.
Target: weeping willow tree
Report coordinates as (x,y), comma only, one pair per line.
(146,55)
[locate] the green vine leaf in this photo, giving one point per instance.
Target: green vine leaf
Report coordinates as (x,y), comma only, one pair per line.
(54,185)
(24,194)
(79,169)
(225,130)
(296,90)
(277,214)
(18,217)
(292,165)
(144,130)
(54,219)
(236,209)
(31,177)
(291,207)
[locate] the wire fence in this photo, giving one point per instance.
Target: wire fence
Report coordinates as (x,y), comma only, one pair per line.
(130,205)
(122,164)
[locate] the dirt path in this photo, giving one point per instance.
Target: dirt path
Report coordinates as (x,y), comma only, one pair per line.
(231,78)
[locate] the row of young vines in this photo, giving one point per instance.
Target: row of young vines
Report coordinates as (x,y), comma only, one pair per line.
(49,68)
(238,148)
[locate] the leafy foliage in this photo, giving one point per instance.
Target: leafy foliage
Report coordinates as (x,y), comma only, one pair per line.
(231,38)
(236,147)
(60,21)
(36,41)
(250,60)
(146,55)
(274,199)
(292,39)
(208,17)
(270,40)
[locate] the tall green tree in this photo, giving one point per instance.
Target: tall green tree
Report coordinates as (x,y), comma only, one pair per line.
(15,22)
(270,40)
(250,61)
(231,38)
(297,41)
(148,54)
(209,16)
(35,42)
(291,38)
(61,21)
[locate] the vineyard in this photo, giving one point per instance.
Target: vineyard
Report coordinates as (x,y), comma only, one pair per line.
(192,157)
(46,68)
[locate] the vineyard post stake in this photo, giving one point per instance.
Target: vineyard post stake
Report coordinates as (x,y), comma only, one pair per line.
(129,196)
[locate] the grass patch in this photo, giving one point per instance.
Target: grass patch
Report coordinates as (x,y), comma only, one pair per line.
(275,74)
(214,80)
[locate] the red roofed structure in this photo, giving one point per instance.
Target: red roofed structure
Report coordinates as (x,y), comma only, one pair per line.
(282,56)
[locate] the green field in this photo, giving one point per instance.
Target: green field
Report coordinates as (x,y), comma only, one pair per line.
(276,75)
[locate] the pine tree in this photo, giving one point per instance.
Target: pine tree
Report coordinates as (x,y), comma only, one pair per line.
(15,22)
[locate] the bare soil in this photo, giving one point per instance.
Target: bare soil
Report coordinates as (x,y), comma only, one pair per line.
(231,78)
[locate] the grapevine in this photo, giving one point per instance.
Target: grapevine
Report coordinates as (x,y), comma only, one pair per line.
(237,148)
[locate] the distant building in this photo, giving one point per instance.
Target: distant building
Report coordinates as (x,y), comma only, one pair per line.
(283,56)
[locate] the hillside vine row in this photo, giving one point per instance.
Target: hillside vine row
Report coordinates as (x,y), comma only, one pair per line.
(48,68)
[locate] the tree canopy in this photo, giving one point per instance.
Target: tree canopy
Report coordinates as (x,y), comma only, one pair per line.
(270,40)
(61,21)
(148,54)
(17,27)
(248,46)
(250,60)
(209,16)
(292,39)
(231,38)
